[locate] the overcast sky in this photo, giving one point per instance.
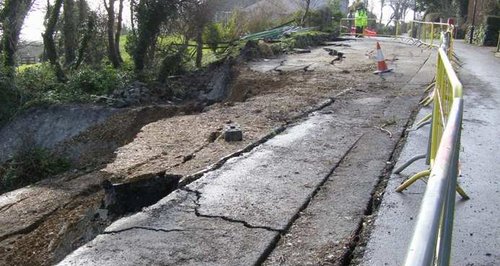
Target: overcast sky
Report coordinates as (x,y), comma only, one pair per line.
(33,25)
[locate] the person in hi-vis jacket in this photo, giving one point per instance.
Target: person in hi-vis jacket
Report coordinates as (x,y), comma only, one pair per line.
(360,19)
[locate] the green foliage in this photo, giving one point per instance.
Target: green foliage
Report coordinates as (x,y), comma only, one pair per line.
(150,15)
(483,36)
(9,98)
(324,19)
(305,39)
(173,63)
(233,29)
(38,84)
(30,166)
(37,79)
(213,35)
(127,59)
(262,19)
(96,81)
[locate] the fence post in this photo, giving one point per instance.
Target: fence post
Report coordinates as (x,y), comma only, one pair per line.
(432,34)
(498,44)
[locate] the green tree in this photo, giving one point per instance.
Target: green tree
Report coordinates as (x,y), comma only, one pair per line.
(48,39)
(70,33)
(12,18)
(113,35)
(149,16)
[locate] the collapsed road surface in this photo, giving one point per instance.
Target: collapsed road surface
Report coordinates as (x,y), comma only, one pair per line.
(298,199)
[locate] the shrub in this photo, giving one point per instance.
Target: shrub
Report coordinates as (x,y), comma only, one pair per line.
(234,28)
(174,62)
(213,35)
(38,85)
(37,79)
(30,166)
(9,100)
(95,81)
(321,18)
(305,39)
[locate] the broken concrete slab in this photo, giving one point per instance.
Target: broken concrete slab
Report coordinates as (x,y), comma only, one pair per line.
(268,186)
(246,203)
(171,233)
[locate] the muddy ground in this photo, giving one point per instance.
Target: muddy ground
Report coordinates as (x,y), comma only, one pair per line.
(42,223)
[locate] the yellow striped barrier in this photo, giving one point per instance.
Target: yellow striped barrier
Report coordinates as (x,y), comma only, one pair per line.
(447,89)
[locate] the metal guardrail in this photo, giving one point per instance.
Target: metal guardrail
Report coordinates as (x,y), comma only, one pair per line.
(498,43)
(445,91)
(432,236)
(431,241)
(418,32)
(428,33)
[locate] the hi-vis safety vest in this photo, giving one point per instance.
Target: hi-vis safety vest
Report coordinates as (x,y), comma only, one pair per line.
(361,19)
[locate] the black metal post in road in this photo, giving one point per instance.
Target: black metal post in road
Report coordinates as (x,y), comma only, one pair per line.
(473,22)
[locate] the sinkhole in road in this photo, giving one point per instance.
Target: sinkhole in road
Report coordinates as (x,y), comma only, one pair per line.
(131,197)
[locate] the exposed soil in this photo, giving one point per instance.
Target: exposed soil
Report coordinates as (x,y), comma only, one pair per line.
(40,224)
(185,144)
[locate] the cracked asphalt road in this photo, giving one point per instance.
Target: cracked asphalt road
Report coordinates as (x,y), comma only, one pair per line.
(245,205)
(301,184)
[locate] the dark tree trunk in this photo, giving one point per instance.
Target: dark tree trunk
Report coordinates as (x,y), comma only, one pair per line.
(150,16)
(14,12)
(86,39)
(199,46)
(382,2)
(113,57)
(132,24)
(69,32)
(119,31)
(49,43)
(306,13)
(83,10)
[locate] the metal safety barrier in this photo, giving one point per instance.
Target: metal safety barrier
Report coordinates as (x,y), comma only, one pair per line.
(431,241)
(432,236)
(445,91)
(413,32)
(428,33)
(347,27)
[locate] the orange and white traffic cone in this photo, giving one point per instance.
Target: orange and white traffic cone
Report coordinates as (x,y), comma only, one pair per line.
(381,65)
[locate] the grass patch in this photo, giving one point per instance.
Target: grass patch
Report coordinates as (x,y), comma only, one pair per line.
(30,166)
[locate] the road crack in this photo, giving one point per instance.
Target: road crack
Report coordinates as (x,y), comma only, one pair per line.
(142,228)
(225,218)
